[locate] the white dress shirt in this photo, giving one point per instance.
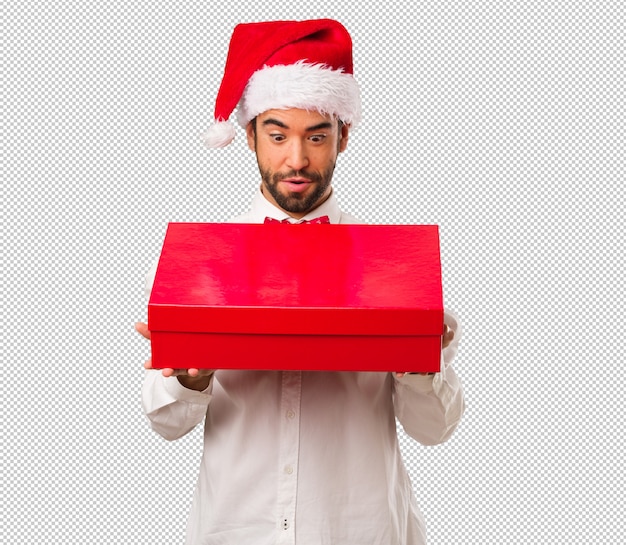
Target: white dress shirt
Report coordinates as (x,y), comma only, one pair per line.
(306,458)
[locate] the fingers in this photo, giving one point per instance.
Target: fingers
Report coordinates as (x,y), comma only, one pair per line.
(447,337)
(193,373)
(169,372)
(142,329)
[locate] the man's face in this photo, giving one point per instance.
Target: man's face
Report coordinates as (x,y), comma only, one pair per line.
(296,151)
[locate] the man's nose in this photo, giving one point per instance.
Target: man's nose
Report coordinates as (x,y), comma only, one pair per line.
(297,158)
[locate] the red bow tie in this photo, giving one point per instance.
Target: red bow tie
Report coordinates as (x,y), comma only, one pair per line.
(317,221)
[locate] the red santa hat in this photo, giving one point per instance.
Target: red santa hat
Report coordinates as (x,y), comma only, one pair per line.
(286,64)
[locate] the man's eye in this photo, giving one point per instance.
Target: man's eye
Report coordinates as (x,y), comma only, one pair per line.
(277,137)
(318,138)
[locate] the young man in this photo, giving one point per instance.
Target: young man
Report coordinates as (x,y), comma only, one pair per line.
(305,458)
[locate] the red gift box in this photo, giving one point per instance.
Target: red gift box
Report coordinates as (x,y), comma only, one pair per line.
(298,297)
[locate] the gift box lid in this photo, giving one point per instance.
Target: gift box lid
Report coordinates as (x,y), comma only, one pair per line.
(298,279)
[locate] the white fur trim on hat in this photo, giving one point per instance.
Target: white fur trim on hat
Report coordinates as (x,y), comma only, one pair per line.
(219,135)
(301,85)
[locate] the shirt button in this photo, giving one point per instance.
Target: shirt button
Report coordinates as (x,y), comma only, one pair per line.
(291,414)
(288,470)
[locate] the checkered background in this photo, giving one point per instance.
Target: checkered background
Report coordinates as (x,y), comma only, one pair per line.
(503,122)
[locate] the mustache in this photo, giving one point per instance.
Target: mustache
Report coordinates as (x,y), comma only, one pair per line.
(311,177)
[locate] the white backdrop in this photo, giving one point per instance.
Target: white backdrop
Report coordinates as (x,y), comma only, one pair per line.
(499,121)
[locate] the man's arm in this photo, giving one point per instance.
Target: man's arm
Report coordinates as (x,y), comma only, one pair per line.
(430,407)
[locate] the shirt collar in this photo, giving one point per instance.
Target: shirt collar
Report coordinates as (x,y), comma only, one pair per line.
(261,208)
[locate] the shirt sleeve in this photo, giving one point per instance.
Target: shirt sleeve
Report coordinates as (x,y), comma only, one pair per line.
(172,409)
(429,408)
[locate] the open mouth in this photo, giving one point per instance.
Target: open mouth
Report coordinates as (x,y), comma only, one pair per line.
(297,184)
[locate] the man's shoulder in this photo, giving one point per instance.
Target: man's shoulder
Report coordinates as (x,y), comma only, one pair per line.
(349,219)
(247,217)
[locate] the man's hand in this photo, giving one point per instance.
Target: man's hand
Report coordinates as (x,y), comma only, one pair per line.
(448,335)
(194,379)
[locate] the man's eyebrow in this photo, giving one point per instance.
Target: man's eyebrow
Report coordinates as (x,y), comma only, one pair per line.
(320,126)
(271,121)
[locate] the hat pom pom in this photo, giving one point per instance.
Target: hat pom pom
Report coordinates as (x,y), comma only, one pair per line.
(219,135)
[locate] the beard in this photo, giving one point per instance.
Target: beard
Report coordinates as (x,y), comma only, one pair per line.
(297,203)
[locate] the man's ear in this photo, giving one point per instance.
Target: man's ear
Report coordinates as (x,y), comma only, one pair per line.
(251,135)
(343,137)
